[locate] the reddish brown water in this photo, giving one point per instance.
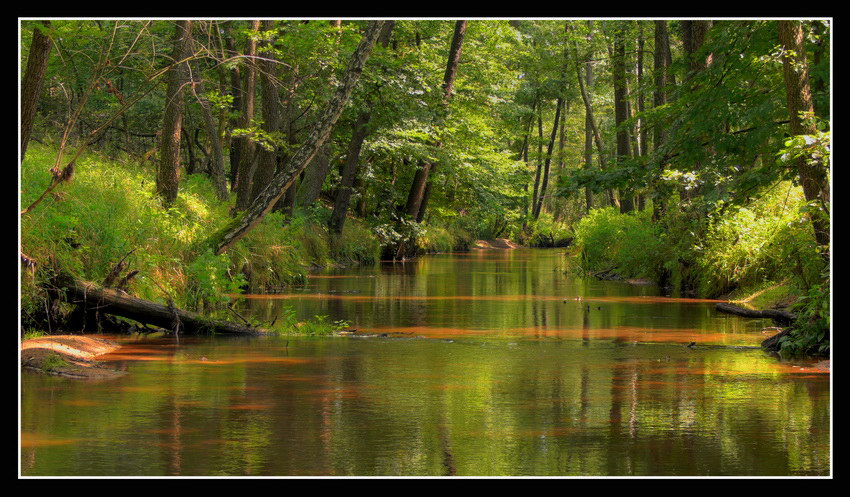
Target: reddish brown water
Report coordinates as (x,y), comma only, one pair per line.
(496,363)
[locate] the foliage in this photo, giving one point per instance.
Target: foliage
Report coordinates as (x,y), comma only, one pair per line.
(768,240)
(288,324)
(629,244)
(717,188)
(810,333)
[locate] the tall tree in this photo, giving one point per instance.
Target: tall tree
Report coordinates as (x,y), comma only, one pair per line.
(37,59)
(293,166)
(589,118)
(168,173)
(545,180)
(247,147)
(618,68)
(267,155)
(448,90)
(813,177)
(217,159)
(352,157)
(662,60)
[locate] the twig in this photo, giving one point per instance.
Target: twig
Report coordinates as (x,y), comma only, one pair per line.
(230,308)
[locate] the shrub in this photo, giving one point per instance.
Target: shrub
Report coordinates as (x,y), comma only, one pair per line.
(629,244)
(769,239)
(810,333)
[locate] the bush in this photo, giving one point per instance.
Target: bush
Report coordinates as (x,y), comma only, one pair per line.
(357,244)
(545,232)
(810,334)
(769,239)
(629,244)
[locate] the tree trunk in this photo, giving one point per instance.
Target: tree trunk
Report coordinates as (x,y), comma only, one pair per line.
(588,108)
(236,90)
(693,36)
(621,112)
(448,89)
(314,177)
(217,162)
(267,157)
(319,132)
(642,134)
(247,147)
(588,125)
(662,59)
(167,179)
(37,60)
(813,177)
(352,157)
(545,182)
(115,302)
(417,190)
(777,315)
(349,172)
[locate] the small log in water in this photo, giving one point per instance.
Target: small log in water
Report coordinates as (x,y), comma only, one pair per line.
(108,301)
(775,314)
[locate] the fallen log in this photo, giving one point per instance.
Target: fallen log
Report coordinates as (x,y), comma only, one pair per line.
(93,297)
(775,314)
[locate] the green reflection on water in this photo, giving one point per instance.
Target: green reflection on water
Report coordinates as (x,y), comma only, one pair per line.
(525,387)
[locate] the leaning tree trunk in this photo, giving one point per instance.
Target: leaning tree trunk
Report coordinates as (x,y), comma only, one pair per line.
(538,170)
(31,85)
(294,165)
(813,177)
(167,177)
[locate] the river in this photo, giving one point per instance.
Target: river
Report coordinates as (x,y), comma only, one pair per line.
(495,362)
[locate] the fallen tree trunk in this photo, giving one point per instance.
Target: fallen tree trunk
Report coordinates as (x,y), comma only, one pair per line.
(777,315)
(108,301)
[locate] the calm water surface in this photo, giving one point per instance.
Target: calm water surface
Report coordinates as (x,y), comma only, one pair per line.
(496,363)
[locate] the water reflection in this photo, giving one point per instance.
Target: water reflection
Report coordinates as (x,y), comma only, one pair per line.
(526,387)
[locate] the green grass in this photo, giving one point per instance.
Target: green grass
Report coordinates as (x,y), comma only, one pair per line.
(765,295)
(110,209)
(54,362)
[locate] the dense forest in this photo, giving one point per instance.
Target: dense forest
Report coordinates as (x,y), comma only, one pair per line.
(184,161)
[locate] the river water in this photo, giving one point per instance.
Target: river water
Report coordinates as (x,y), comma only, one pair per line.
(495,363)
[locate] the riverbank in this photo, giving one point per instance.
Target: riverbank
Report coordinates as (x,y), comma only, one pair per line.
(70,356)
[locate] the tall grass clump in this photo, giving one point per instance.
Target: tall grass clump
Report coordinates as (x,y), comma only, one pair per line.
(432,239)
(545,231)
(629,245)
(356,245)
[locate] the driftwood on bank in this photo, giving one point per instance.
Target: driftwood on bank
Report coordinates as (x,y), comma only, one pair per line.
(784,317)
(93,297)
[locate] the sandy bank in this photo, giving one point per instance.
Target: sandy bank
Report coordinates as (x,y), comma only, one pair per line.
(71,356)
(498,243)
